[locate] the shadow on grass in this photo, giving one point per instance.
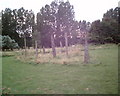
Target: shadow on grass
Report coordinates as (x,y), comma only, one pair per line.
(7,55)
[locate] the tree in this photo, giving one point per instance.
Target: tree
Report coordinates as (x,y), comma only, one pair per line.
(42,29)
(110,20)
(9,23)
(8,43)
(65,18)
(25,24)
(96,32)
(0,42)
(74,33)
(46,22)
(84,28)
(35,39)
(0,23)
(106,31)
(53,23)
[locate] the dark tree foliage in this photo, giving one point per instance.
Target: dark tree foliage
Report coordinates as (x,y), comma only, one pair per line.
(25,21)
(106,31)
(15,23)
(55,25)
(9,23)
(60,16)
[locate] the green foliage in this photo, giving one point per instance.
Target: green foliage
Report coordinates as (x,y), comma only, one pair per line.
(8,43)
(106,31)
(9,23)
(17,24)
(56,18)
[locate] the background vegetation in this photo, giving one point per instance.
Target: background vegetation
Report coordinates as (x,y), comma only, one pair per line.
(52,53)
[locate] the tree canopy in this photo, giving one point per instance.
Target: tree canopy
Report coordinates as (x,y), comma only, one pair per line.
(106,31)
(55,20)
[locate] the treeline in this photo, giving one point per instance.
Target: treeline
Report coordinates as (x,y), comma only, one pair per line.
(107,30)
(55,25)
(17,24)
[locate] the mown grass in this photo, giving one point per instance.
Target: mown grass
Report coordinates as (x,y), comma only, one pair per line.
(100,76)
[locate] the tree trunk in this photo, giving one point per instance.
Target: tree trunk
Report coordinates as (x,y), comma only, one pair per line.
(61,46)
(36,48)
(53,46)
(43,49)
(86,53)
(34,44)
(66,44)
(25,46)
(40,49)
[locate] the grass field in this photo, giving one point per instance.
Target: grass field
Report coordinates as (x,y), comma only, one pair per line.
(100,76)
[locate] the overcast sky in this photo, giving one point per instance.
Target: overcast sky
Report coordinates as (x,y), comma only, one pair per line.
(88,10)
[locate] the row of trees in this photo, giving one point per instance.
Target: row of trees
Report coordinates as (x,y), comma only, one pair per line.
(18,25)
(56,26)
(106,31)
(54,22)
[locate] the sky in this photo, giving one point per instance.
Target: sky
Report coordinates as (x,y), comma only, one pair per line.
(89,10)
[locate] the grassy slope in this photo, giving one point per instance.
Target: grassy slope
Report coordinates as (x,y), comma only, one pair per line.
(101,76)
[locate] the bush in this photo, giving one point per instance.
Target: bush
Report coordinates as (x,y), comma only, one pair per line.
(8,43)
